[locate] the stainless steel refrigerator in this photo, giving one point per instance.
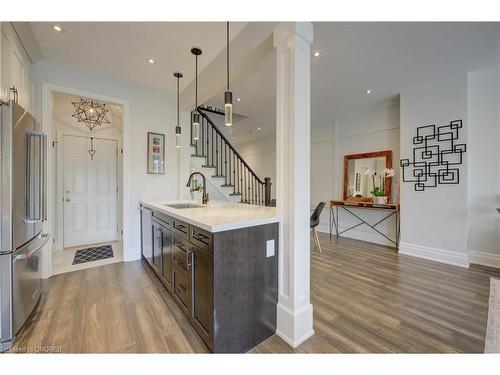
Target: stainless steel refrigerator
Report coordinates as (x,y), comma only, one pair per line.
(23,210)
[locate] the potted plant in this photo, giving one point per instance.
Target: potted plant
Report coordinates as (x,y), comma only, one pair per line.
(196,191)
(379,181)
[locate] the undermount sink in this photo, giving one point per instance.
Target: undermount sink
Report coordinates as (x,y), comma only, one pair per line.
(184,205)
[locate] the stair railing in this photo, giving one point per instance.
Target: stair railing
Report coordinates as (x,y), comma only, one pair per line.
(229,165)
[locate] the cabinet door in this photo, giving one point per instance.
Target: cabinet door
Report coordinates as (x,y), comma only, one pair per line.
(4,73)
(167,257)
(202,309)
(157,247)
(146,235)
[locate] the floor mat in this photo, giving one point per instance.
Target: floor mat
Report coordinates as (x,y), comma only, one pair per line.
(93,253)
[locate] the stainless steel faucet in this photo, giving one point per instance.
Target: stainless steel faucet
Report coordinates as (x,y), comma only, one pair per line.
(204,198)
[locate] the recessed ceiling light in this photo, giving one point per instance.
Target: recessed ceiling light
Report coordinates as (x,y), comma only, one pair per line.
(238,99)
(151,61)
(258,128)
(316,54)
(57,28)
(369,91)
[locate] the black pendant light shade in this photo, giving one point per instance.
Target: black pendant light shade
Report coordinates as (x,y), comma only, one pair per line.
(228,95)
(178,76)
(196,116)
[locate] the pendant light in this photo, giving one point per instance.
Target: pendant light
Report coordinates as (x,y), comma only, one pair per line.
(196,116)
(178,76)
(228,95)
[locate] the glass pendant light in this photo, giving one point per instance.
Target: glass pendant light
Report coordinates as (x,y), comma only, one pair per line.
(178,76)
(196,116)
(228,95)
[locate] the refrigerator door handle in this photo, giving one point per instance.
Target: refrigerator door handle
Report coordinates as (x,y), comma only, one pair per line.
(28,176)
(44,176)
(35,177)
(44,237)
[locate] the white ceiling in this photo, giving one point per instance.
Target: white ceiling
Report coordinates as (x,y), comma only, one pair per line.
(355,56)
(388,57)
(123,48)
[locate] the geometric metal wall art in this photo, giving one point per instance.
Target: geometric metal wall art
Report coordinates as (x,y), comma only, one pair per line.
(436,156)
(91,113)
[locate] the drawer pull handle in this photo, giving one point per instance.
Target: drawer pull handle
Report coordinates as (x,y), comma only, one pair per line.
(201,237)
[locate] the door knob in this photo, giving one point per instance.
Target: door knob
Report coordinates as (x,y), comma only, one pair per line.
(67,200)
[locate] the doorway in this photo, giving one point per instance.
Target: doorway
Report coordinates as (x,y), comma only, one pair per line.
(88,199)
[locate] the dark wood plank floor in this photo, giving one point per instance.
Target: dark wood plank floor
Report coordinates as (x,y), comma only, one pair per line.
(366,299)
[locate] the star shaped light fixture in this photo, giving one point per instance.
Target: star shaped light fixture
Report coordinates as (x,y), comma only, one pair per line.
(91,113)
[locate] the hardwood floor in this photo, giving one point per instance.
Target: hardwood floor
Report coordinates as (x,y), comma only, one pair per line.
(366,299)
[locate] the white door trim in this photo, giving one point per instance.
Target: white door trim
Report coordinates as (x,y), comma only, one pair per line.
(47,124)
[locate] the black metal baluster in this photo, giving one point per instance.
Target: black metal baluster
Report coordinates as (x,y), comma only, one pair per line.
(207,154)
(212,145)
(241,180)
(225,163)
(216,154)
(201,140)
(245,185)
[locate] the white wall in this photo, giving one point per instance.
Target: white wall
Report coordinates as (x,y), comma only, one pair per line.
(149,110)
(260,154)
(484,167)
(434,222)
(374,130)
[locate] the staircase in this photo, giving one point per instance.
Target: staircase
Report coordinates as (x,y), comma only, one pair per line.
(227,170)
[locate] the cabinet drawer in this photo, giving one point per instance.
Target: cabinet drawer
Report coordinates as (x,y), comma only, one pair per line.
(201,238)
(164,218)
(182,288)
(181,226)
(181,258)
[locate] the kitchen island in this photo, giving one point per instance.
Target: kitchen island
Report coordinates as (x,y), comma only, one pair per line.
(219,261)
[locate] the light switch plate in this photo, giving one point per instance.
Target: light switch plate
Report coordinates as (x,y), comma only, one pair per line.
(270,248)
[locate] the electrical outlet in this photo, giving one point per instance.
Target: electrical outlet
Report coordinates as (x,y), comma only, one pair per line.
(270,248)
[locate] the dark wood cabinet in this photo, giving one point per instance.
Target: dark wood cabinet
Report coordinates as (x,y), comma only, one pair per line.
(167,257)
(157,247)
(202,306)
(182,273)
(146,234)
(223,282)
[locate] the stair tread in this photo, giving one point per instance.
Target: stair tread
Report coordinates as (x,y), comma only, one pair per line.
(218,176)
(227,185)
(208,166)
(198,156)
(234,194)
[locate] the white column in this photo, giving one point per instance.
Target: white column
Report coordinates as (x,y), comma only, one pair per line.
(295,313)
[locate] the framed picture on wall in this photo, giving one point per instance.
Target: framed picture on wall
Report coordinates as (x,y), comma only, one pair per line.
(156,153)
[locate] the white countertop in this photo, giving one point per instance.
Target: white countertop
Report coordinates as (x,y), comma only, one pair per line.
(217,216)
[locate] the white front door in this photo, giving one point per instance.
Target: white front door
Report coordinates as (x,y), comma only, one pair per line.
(90,191)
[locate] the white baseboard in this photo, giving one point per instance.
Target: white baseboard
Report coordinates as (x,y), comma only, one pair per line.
(294,327)
(438,255)
(484,258)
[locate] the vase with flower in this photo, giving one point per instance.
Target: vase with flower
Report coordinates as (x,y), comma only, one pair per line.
(379,194)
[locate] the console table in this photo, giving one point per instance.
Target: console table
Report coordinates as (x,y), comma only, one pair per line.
(391,209)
